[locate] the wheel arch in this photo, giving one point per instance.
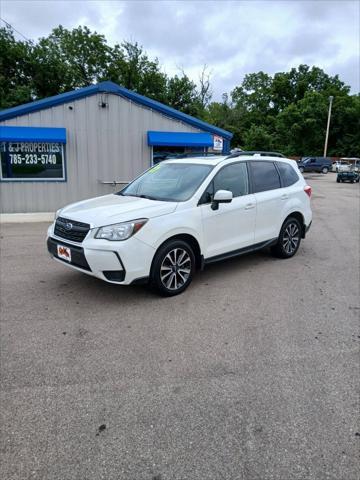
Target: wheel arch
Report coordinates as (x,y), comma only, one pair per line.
(300,217)
(186,237)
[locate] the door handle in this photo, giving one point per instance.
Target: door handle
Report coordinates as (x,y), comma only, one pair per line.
(284,197)
(249,206)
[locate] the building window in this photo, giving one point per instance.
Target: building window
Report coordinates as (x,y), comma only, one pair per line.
(161,153)
(33,161)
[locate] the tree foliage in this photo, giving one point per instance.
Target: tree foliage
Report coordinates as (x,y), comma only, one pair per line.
(130,67)
(286,111)
(182,94)
(15,74)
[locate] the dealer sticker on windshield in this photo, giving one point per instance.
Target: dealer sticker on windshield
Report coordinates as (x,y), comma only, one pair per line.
(155,168)
(64,253)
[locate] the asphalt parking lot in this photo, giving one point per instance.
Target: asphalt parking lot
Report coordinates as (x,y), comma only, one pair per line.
(251,374)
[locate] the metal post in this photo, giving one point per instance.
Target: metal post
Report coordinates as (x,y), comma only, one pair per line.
(328,126)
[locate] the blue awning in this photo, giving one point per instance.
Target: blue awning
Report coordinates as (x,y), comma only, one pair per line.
(32,134)
(180,139)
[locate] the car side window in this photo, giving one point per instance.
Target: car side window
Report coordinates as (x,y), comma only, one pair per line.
(232,177)
(264,176)
(287,173)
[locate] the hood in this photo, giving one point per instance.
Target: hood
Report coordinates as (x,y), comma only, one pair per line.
(113,208)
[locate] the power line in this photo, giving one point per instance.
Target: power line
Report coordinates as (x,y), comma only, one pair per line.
(14,29)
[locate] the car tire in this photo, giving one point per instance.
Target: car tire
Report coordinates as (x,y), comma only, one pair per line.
(338,180)
(289,239)
(166,275)
(301,169)
(324,170)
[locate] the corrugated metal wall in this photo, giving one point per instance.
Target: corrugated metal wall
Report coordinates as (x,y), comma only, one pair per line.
(103,144)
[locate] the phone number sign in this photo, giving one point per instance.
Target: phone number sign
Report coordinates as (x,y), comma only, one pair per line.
(32,161)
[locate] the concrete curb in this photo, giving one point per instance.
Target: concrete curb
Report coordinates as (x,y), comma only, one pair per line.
(26,217)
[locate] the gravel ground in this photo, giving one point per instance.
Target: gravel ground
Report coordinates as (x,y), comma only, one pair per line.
(251,374)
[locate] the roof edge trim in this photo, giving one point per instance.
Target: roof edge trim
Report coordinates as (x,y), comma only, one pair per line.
(111,87)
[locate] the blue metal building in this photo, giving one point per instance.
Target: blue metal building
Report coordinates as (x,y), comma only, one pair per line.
(89,141)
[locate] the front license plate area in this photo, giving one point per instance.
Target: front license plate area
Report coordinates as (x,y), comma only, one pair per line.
(64,253)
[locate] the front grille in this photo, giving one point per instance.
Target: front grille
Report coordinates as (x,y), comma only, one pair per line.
(78,258)
(70,229)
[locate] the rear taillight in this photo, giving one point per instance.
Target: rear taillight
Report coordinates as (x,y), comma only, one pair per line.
(308,190)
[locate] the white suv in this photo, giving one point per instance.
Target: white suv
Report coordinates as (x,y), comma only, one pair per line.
(182,214)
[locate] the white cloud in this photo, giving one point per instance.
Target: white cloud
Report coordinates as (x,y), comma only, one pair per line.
(232,37)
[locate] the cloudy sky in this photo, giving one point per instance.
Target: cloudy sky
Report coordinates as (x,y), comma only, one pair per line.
(232,37)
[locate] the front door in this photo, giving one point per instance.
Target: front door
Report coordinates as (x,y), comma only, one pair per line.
(232,226)
(311,165)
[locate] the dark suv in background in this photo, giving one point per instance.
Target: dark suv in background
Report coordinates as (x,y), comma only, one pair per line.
(315,164)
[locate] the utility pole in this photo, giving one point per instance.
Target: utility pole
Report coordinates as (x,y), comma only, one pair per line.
(328,126)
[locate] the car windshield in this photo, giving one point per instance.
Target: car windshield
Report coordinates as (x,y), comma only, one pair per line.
(172,182)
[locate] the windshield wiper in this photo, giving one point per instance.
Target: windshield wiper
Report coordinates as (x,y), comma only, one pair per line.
(148,197)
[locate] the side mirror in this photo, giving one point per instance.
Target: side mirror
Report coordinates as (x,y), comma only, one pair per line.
(221,196)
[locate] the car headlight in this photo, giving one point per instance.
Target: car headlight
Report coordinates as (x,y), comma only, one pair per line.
(120,231)
(57,213)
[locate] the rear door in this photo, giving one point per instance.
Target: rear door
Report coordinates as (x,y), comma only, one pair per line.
(269,197)
(232,226)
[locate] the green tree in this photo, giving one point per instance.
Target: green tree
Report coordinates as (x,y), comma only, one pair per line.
(224,115)
(344,138)
(290,87)
(15,70)
(69,59)
(291,108)
(182,95)
(205,91)
(130,67)
(254,94)
(258,138)
(301,126)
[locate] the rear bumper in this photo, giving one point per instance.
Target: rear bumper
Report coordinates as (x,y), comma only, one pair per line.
(306,229)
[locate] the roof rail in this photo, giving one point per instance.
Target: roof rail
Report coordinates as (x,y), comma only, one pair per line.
(260,153)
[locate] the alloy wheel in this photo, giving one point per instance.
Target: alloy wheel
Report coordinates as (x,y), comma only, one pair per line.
(175,269)
(291,238)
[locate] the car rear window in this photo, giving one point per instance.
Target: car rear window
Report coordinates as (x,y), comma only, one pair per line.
(287,173)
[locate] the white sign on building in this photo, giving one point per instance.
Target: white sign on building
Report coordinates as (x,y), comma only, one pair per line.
(218,143)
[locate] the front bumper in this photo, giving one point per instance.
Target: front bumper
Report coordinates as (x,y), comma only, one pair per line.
(114,262)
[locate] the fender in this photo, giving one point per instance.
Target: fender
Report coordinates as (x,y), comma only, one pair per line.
(179,231)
